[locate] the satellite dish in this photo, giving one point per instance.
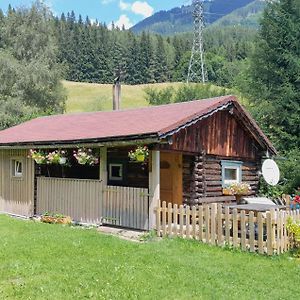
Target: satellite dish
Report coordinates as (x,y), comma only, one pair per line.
(270,172)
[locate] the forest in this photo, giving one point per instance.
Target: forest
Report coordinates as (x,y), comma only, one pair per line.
(37,50)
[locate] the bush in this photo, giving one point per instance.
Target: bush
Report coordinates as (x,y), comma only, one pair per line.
(158,97)
(290,168)
(186,92)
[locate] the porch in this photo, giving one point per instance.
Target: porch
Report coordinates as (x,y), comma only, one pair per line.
(114,192)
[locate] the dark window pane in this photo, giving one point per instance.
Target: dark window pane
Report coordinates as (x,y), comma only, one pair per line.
(230,174)
(116,171)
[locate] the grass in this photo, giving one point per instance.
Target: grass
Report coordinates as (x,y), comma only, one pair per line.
(41,261)
(84,97)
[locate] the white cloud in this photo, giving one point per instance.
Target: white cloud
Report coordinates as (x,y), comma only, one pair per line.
(142,8)
(123,21)
(107,1)
(124,5)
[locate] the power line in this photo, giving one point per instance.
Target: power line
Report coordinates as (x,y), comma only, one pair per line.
(197,70)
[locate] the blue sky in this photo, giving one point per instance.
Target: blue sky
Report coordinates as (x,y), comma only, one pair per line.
(127,12)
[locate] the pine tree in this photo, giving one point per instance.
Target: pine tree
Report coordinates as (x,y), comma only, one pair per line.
(161,73)
(275,73)
(133,68)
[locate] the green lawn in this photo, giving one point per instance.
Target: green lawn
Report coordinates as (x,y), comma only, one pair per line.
(40,261)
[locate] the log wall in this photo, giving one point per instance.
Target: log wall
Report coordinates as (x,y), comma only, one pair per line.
(203,178)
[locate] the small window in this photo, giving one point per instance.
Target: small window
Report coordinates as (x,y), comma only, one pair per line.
(116,172)
(17,168)
(231,172)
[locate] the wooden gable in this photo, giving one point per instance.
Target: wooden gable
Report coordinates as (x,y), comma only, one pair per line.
(221,134)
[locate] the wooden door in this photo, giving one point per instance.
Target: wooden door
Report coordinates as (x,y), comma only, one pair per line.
(171,177)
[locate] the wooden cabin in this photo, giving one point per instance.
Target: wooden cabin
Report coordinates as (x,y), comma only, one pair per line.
(196,148)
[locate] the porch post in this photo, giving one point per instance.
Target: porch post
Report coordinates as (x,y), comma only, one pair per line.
(154,187)
(103,165)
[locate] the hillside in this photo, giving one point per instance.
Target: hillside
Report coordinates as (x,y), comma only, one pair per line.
(179,19)
(247,16)
(84,97)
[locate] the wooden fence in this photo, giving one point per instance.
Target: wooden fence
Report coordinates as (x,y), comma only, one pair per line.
(77,198)
(218,225)
(126,207)
(89,201)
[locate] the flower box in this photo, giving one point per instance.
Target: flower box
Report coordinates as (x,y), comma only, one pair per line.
(227,192)
(56,219)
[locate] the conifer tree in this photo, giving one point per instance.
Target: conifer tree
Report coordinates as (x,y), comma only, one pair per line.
(275,73)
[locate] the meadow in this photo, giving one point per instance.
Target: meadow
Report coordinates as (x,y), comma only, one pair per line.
(84,97)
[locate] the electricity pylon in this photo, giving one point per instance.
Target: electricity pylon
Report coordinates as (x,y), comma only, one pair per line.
(197,71)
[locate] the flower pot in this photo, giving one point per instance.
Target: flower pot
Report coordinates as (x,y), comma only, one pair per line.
(39,161)
(62,160)
(239,199)
(140,157)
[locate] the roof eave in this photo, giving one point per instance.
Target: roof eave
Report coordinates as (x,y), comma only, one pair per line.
(99,142)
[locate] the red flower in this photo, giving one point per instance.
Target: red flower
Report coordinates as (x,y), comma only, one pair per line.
(297,199)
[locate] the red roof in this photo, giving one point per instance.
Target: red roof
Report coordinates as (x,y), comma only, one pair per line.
(97,126)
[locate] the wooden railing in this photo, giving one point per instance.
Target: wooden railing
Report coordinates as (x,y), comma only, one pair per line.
(77,198)
(218,225)
(89,201)
(126,207)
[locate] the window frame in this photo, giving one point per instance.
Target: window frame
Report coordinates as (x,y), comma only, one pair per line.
(14,173)
(113,178)
(235,165)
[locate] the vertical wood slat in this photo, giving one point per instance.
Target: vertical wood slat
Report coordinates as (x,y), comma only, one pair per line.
(213,224)
(269,234)
(188,215)
(158,218)
(170,219)
(200,223)
(228,226)
(209,224)
(126,207)
(220,225)
(251,231)
(235,228)
(194,230)
(16,194)
(175,219)
(181,219)
(164,219)
(243,230)
(260,233)
(76,198)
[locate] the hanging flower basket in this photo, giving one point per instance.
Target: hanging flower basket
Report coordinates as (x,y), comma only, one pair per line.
(38,156)
(57,157)
(85,157)
(140,154)
(54,157)
(140,158)
(62,160)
